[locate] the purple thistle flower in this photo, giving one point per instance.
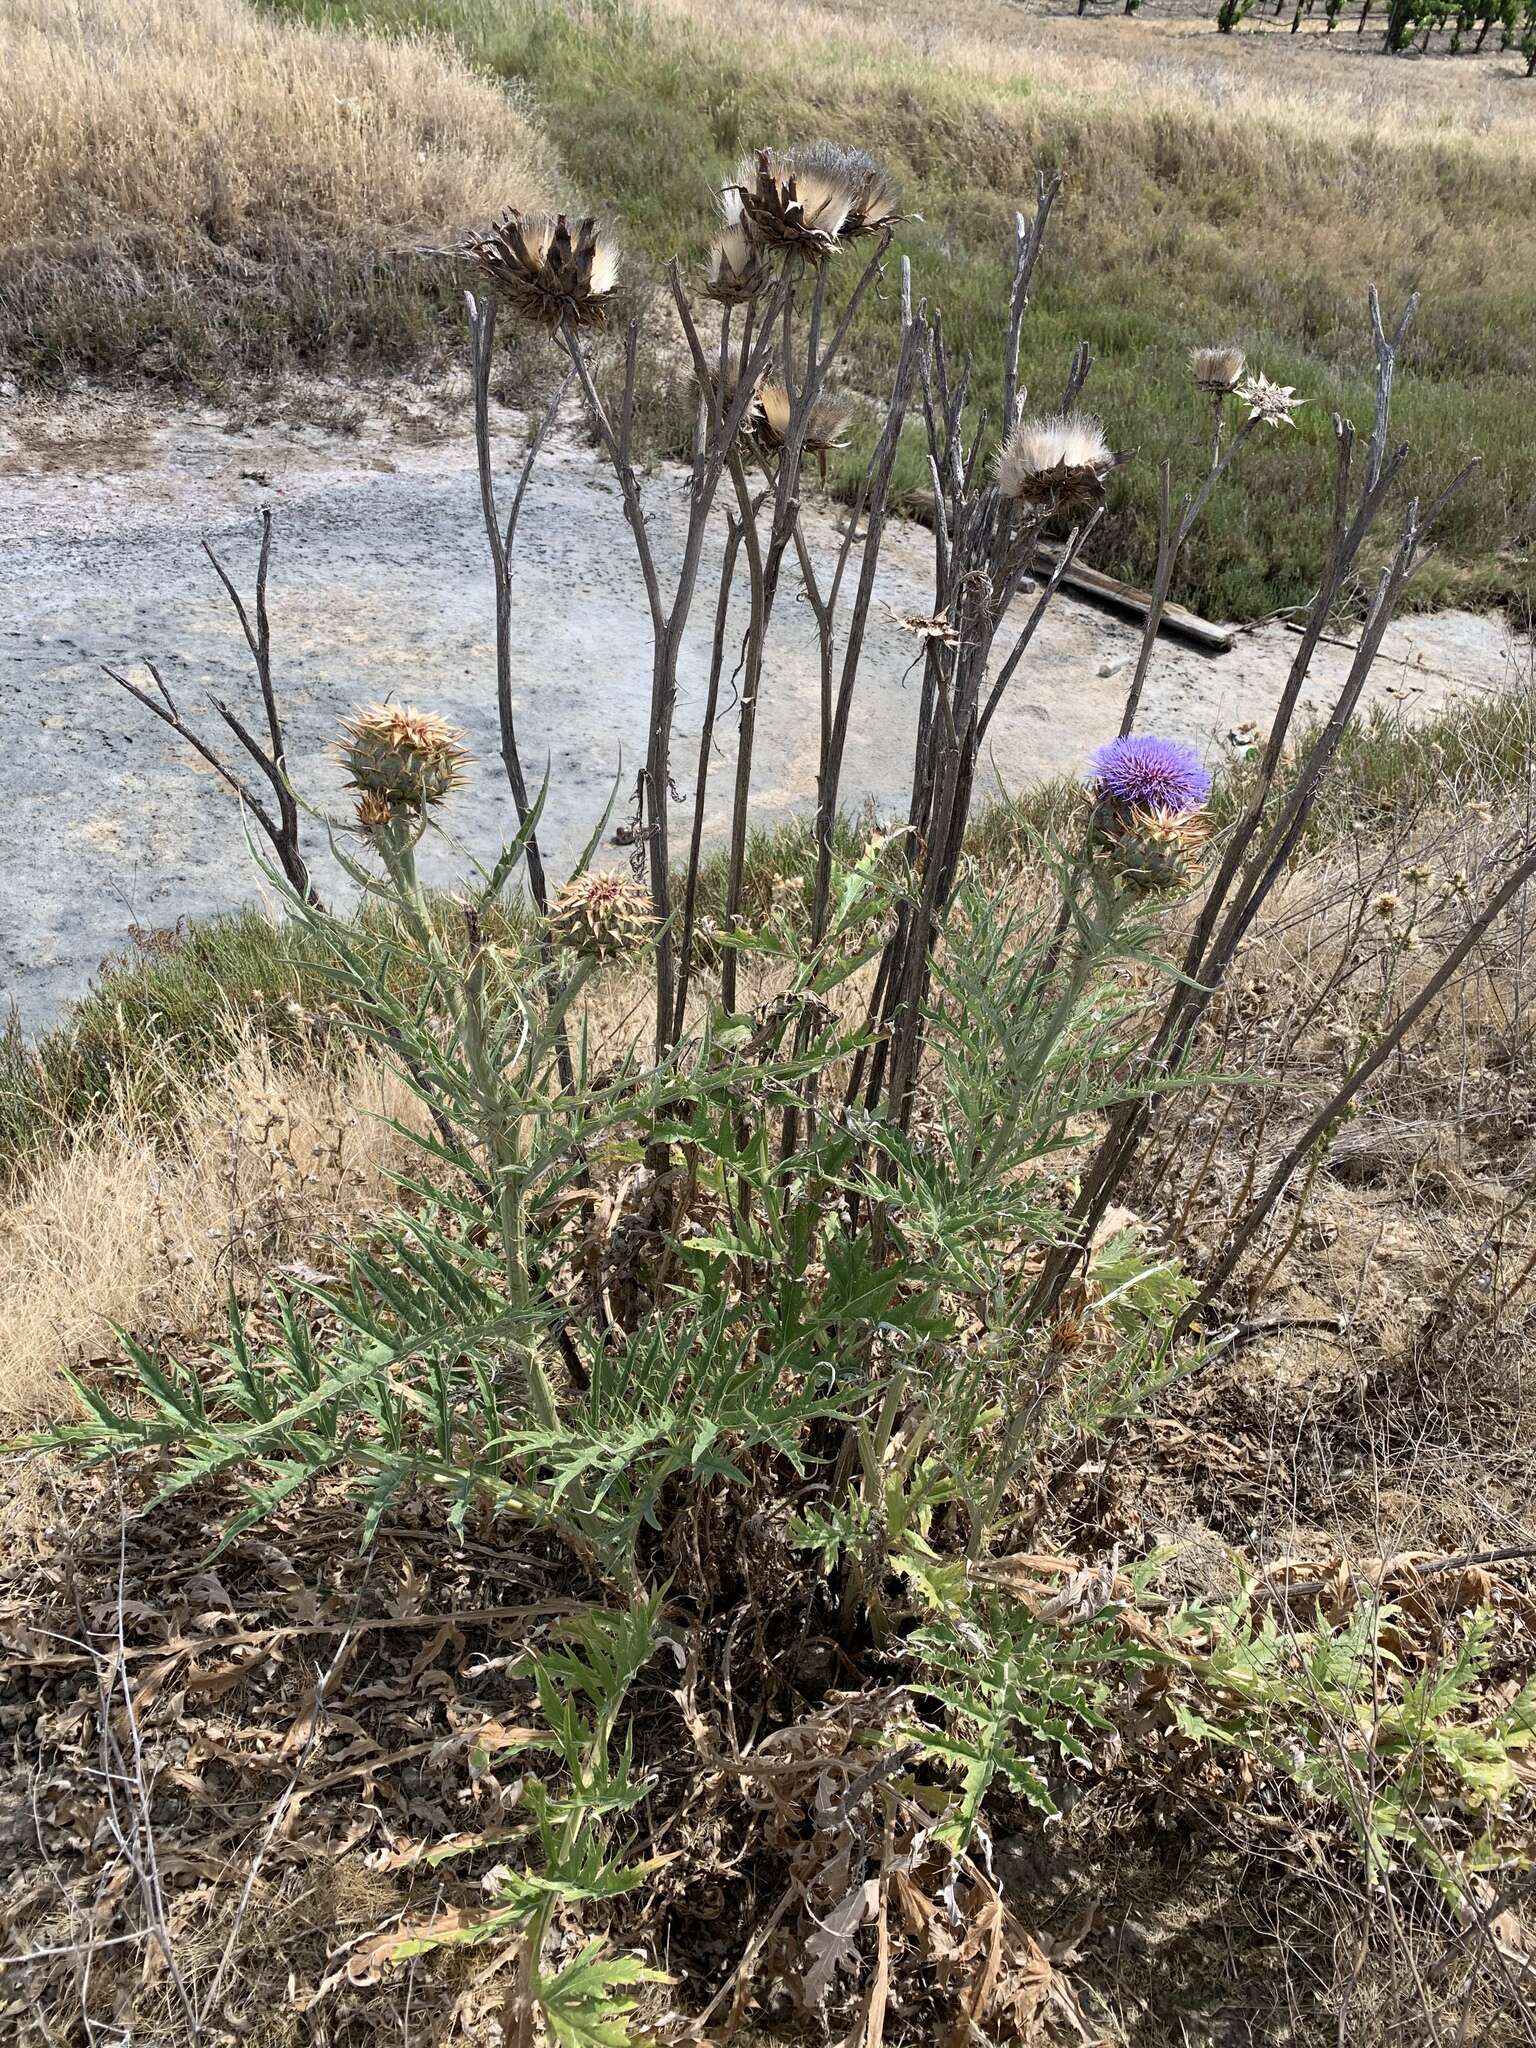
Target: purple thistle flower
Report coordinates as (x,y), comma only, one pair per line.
(1151,775)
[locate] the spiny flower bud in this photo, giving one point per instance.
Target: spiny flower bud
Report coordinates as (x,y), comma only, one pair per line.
(1056,461)
(401,759)
(374,812)
(601,917)
(1153,850)
(1216,370)
(532,261)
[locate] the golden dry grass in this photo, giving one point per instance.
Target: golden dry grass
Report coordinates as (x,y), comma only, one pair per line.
(166,113)
(145,1223)
(1177,70)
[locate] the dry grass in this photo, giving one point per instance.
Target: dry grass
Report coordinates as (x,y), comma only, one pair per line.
(199,193)
(1177,70)
(145,1222)
(122,114)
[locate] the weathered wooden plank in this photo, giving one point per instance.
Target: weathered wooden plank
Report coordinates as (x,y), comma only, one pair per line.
(1109,590)
(1182,624)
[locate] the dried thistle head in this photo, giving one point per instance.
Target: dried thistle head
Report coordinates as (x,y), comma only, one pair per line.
(930,626)
(874,198)
(824,429)
(403,759)
(374,812)
(1216,370)
(787,201)
(737,269)
(1055,460)
(1271,403)
(542,272)
(601,917)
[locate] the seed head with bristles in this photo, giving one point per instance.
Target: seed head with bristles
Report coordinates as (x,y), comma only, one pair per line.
(737,269)
(824,429)
(544,273)
(1056,460)
(1216,370)
(400,760)
(873,194)
(789,202)
(601,917)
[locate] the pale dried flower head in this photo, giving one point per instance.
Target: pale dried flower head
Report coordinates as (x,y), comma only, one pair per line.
(789,201)
(545,273)
(824,429)
(1271,403)
(1055,459)
(1418,875)
(737,269)
(935,626)
(1216,369)
(872,193)
(1386,906)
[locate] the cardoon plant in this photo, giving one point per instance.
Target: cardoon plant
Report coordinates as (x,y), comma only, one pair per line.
(809,1236)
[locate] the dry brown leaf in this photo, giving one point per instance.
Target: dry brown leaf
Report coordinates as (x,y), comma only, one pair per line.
(446,1633)
(833,1942)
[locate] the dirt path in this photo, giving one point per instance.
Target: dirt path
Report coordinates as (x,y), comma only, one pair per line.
(379,586)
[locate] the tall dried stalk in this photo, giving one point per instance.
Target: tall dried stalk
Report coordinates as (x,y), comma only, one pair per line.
(718,423)
(277,816)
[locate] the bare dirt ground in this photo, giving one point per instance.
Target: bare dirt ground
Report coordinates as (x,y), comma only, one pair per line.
(380,587)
